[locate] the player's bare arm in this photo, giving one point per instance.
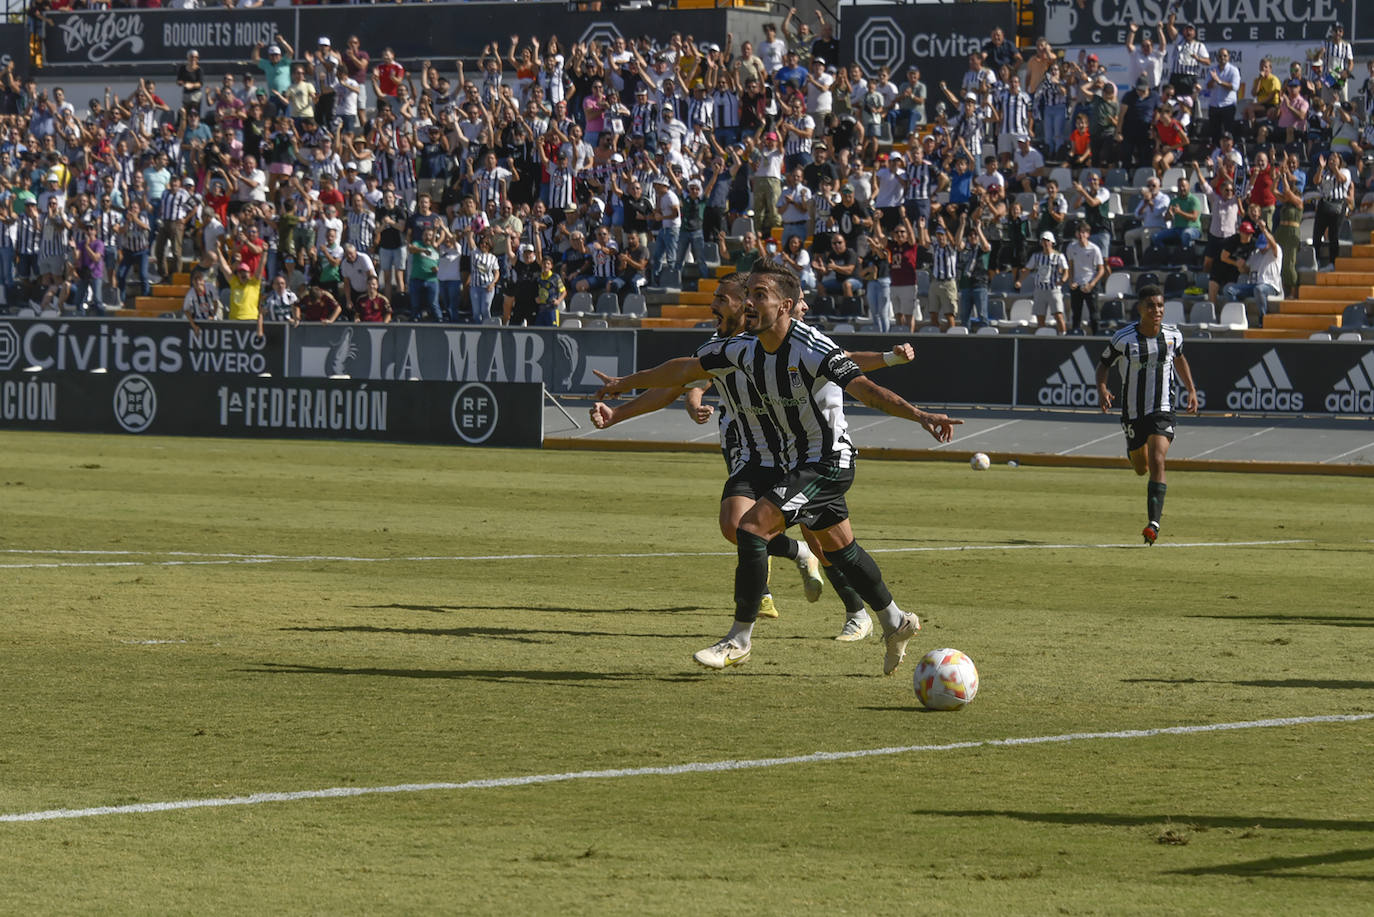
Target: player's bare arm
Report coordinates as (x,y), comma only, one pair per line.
(1104,395)
(603,415)
(869,360)
(699,412)
(1185,375)
(671,374)
(883,399)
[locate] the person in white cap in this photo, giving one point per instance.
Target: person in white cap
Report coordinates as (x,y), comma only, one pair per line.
(1051,270)
(668,214)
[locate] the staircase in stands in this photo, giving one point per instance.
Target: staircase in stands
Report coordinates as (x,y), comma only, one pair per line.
(166,297)
(1319,305)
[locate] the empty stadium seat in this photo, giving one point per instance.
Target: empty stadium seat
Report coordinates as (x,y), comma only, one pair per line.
(1022,314)
(1118,285)
(608,304)
(1354,316)
(1232,318)
(988,329)
(570,323)
(596,323)
(958,329)
(581,304)
(1173,312)
(635,305)
(1320,336)
(1046,331)
(1349,336)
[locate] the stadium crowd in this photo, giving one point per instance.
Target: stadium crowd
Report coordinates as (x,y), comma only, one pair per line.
(338,183)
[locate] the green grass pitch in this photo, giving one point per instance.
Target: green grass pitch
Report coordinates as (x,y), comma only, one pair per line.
(184,670)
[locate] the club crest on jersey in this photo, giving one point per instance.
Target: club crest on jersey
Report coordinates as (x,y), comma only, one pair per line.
(794,377)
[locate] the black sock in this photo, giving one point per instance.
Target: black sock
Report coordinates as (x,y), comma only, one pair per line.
(751,575)
(1154,500)
(862,574)
(853,602)
(782,546)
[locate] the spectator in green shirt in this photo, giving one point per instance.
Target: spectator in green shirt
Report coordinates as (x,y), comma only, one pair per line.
(1185,213)
(277,71)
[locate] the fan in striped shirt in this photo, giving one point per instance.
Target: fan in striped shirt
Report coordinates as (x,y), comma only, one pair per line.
(796,378)
(749,464)
(1015,113)
(1148,354)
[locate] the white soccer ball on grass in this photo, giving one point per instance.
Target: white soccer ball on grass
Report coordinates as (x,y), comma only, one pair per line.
(980,461)
(945,680)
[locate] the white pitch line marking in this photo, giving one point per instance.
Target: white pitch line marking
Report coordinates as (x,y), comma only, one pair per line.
(233,559)
(701,767)
(965,437)
(1348,452)
(1231,443)
(1089,443)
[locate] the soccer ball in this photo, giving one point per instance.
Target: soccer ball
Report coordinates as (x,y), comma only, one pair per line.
(980,461)
(945,680)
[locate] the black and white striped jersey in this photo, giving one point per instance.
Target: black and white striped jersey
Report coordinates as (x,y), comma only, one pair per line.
(1015,109)
(1146,366)
(788,406)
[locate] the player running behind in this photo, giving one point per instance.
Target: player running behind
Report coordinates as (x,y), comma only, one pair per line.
(796,378)
(1148,354)
(748,479)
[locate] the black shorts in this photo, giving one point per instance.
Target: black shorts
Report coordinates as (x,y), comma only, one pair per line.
(812,495)
(752,481)
(1140,430)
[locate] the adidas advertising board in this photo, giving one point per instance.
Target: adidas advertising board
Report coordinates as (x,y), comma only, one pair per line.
(452,413)
(1354,394)
(1266,386)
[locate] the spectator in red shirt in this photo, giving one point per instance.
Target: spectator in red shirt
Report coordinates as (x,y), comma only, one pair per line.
(372,306)
(330,194)
(1262,188)
(1170,140)
(387,78)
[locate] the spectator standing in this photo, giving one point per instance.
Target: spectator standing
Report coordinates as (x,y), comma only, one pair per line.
(1087,268)
(1147,59)
(767,162)
(667,214)
(902,255)
(1337,189)
(975,253)
(1093,200)
(1051,270)
(944,287)
(1224,84)
(276,71)
(1187,58)
(191,79)
(1135,124)
(875,269)
(1288,222)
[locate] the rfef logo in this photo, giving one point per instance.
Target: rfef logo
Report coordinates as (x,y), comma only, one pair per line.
(1266,387)
(475,413)
(135,403)
(1074,384)
(1355,393)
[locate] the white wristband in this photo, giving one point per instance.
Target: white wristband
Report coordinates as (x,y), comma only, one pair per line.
(894,359)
